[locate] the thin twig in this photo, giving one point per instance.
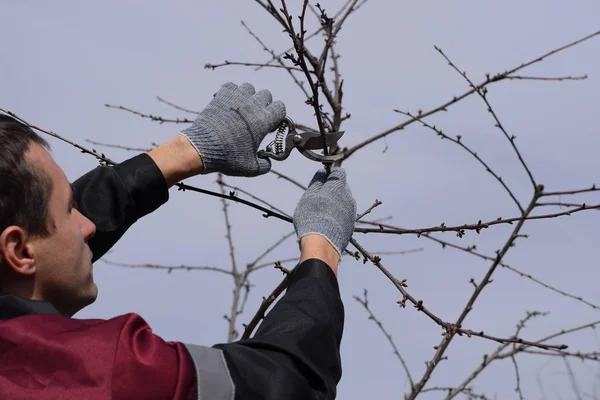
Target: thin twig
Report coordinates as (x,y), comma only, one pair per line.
(248,64)
(308,37)
(488,359)
(117,146)
(557,204)
(444,107)
(514,340)
(540,78)
(472,250)
(104,160)
(296,259)
(168,268)
(483,94)
(365,303)
(571,192)
(273,263)
(518,378)
(152,117)
(593,356)
(232,197)
(279,60)
(260,200)
(474,154)
(476,227)
(253,265)
(368,211)
(239,280)
(574,384)
(287,178)
(267,301)
(175,106)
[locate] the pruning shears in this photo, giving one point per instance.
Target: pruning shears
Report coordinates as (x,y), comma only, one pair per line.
(287,138)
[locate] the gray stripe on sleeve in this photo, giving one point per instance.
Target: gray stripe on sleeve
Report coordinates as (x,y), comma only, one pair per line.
(213,380)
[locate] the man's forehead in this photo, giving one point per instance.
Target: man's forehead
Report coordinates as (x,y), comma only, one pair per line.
(41,158)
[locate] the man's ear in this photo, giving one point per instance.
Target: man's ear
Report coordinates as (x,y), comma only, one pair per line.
(16,251)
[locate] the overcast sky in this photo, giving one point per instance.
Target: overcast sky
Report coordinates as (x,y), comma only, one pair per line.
(63,60)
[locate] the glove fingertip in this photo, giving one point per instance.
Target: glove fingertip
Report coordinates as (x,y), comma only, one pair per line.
(264,166)
(227,87)
(247,88)
(264,97)
(277,110)
(320,177)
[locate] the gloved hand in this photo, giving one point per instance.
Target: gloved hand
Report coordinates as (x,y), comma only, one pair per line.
(229,131)
(327,208)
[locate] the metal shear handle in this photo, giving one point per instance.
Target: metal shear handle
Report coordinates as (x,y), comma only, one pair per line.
(280,148)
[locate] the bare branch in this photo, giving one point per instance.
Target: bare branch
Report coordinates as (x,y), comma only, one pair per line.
(444,107)
(152,117)
(483,94)
(469,306)
(368,211)
(478,227)
(253,265)
(488,359)
(518,377)
(572,192)
(168,268)
(274,263)
(515,340)
(574,384)
(315,33)
(557,204)
(302,52)
(175,106)
(539,78)
(267,301)
(233,197)
(365,303)
(239,280)
(593,356)
(278,59)
(248,64)
(272,207)
(100,157)
(474,154)
(287,178)
(117,146)
(471,250)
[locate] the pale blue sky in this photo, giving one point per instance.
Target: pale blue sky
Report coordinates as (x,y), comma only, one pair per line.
(63,60)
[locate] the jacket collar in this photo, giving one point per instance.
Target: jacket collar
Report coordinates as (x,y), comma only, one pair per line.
(14,306)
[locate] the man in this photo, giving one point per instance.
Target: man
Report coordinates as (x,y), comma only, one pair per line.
(51,232)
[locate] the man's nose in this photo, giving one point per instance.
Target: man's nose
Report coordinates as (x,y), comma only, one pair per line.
(88,228)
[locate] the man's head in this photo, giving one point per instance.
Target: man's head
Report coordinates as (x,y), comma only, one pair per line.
(43,239)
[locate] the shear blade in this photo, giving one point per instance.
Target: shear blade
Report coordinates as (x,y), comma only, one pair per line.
(315,142)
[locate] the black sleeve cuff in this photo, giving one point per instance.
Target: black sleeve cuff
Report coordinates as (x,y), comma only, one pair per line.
(145,183)
(114,198)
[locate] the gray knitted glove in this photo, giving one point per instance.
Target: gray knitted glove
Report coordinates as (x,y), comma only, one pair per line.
(229,131)
(327,208)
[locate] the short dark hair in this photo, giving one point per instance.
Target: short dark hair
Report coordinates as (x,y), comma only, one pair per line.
(24,188)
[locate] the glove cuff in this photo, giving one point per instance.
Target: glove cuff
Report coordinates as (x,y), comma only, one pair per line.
(210,148)
(330,230)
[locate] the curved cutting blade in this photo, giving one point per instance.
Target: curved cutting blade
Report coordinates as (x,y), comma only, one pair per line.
(313,141)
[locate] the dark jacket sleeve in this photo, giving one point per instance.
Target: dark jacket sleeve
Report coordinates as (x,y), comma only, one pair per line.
(114,197)
(295,353)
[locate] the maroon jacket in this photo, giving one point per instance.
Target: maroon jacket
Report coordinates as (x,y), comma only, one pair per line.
(43,355)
